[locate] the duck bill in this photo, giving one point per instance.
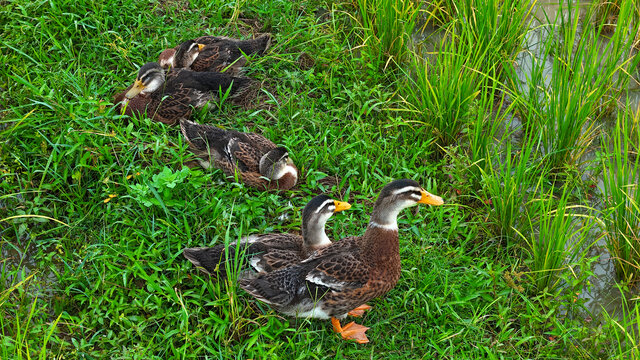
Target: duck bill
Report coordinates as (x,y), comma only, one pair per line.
(135,89)
(430,199)
(341,206)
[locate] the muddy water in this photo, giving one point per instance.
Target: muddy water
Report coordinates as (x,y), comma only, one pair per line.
(17,264)
(601,293)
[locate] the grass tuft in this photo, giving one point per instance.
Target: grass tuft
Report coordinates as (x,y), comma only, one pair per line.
(622,195)
(387,26)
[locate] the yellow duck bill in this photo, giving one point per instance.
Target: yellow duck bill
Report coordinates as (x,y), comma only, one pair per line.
(341,206)
(430,199)
(136,89)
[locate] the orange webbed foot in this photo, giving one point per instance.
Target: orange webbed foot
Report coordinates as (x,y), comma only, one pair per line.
(359,311)
(351,331)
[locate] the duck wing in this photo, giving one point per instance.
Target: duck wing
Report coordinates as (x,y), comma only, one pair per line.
(218,58)
(326,271)
(263,253)
(261,143)
(245,156)
(248,47)
(280,250)
(202,138)
(208,81)
(178,102)
(339,272)
(243,160)
(246,149)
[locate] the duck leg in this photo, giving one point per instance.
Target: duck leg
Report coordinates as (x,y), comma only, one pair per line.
(359,311)
(351,331)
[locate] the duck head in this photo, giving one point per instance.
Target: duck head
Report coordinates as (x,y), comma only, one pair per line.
(186,53)
(396,196)
(315,216)
(150,78)
(276,164)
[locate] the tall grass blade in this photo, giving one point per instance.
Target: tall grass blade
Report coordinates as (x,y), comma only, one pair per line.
(387,27)
(622,195)
(557,237)
(508,179)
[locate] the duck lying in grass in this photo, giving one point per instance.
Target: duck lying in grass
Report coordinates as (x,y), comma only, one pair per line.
(269,252)
(171,96)
(347,273)
(214,53)
(256,160)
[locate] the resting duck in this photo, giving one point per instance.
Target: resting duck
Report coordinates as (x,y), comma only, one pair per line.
(256,160)
(214,53)
(347,273)
(171,96)
(268,252)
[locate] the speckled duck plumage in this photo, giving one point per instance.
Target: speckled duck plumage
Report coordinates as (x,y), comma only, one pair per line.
(347,273)
(256,160)
(214,53)
(169,96)
(269,252)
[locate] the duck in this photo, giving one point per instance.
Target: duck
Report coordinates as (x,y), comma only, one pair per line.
(168,96)
(346,273)
(253,158)
(214,53)
(269,252)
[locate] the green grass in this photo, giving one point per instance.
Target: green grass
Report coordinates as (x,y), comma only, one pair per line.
(387,26)
(95,208)
(507,183)
(622,196)
(625,327)
(440,91)
(587,76)
(558,237)
(470,58)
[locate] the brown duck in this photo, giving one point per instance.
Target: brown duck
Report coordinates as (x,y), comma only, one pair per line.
(269,252)
(167,97)
(254,159)
(347,273)
(214,53)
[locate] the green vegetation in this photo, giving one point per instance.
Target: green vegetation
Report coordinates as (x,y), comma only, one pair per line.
(586,78)
(386,28)
(622,195)
(96,207)
(560,240)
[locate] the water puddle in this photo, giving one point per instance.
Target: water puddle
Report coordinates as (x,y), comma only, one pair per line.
(601,294)
(17,264)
